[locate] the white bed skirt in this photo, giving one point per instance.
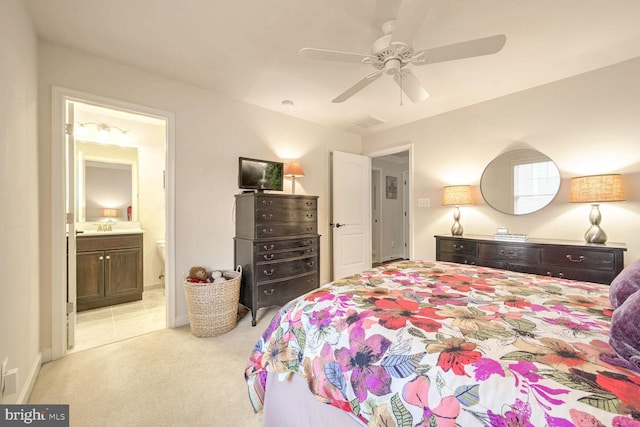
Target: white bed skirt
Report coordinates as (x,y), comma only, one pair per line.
(289,403)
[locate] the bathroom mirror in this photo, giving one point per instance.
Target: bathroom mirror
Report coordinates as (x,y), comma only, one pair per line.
(106,182)
(519,182)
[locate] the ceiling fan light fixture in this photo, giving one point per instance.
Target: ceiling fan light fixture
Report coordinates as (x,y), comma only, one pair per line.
(392,66)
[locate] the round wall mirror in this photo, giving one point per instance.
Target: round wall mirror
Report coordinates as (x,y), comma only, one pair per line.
(519,182)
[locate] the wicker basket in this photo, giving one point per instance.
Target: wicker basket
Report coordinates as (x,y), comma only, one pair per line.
(213,307)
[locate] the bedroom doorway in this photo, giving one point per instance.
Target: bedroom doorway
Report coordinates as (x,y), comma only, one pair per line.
(119,118)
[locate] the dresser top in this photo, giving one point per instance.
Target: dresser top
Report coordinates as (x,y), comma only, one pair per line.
(272,195)
(538,241)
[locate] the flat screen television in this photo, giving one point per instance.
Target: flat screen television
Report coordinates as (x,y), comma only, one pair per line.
(260,175)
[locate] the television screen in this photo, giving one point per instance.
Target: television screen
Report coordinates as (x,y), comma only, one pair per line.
(261,175)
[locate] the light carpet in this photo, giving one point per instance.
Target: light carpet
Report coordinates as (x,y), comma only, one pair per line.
(165,378)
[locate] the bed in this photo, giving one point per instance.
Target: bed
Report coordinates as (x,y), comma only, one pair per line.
(427,343)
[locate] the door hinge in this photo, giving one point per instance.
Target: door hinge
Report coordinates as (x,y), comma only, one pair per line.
(69,217)
(69,307)
(68,128)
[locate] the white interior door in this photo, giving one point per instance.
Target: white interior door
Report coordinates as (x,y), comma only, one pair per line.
(71,226)
(351,213)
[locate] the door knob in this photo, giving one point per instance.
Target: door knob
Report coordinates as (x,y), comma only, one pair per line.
(337,225)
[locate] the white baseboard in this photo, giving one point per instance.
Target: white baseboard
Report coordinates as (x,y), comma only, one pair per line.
(32,376)
(182,320)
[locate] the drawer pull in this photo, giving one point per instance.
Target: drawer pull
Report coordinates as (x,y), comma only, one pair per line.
(309,203)
(269,292)
(100,258)
(309,215)
(269,231)
(580,258)
(268,248)
(310,251)
(561,275)
(311,263)
(270,272)
(309,228)
(458,247)
(108,257)
(268,257)
(267,202)
(511,253)
(265,216)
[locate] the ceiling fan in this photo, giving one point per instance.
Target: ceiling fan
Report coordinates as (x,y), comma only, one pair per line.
(393,52)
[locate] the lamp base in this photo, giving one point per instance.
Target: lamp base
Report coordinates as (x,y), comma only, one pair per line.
(456,228)
(595,234)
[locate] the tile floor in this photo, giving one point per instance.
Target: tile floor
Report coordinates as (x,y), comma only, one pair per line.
(118,322)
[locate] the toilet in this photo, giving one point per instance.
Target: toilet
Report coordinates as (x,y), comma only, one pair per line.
(160,246)
(161,249)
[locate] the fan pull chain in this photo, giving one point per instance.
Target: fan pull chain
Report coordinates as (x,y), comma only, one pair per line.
(401,89)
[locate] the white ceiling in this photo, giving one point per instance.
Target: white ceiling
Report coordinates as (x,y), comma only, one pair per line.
(248,49)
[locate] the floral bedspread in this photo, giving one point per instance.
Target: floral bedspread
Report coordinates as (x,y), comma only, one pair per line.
(442,344)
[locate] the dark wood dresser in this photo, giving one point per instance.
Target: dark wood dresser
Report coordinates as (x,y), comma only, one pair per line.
(278,246)
(567,259)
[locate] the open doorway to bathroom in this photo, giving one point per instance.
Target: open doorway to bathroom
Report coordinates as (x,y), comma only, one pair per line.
(119,203)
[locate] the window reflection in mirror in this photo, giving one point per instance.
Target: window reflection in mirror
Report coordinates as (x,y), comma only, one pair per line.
(106,178)
(520,182)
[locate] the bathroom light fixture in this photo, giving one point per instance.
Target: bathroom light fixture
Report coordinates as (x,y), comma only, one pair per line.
(103,131)
(593,189)
(293,170)
(456,195)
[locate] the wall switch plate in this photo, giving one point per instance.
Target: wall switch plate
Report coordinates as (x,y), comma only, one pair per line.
(424,203)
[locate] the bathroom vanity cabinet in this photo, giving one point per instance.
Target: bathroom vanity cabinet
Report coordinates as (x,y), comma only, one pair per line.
(108,270)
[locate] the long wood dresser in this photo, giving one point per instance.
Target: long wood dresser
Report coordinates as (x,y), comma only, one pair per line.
(591,262)
(278,246)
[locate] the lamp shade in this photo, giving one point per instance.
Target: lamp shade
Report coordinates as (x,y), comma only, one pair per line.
(596,188)
(293,169)
(109,212)
(456,195)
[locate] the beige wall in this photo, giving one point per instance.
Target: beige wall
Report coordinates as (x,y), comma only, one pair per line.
(587,124)
(19,223)
(211,132)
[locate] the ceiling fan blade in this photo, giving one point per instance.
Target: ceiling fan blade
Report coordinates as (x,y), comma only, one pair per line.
(332,55)
(361,84)
(410,17)
(410,85)
(468,49)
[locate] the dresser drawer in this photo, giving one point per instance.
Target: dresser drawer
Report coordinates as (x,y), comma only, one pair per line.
(283,245)
(273,270)
(286,254)
(578,258)
(268,215)
(509,252)
(266,203)
(279,230)
(460,247)
(281,292)
(460,259)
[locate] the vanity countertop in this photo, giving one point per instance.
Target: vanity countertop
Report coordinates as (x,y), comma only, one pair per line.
(110,233)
